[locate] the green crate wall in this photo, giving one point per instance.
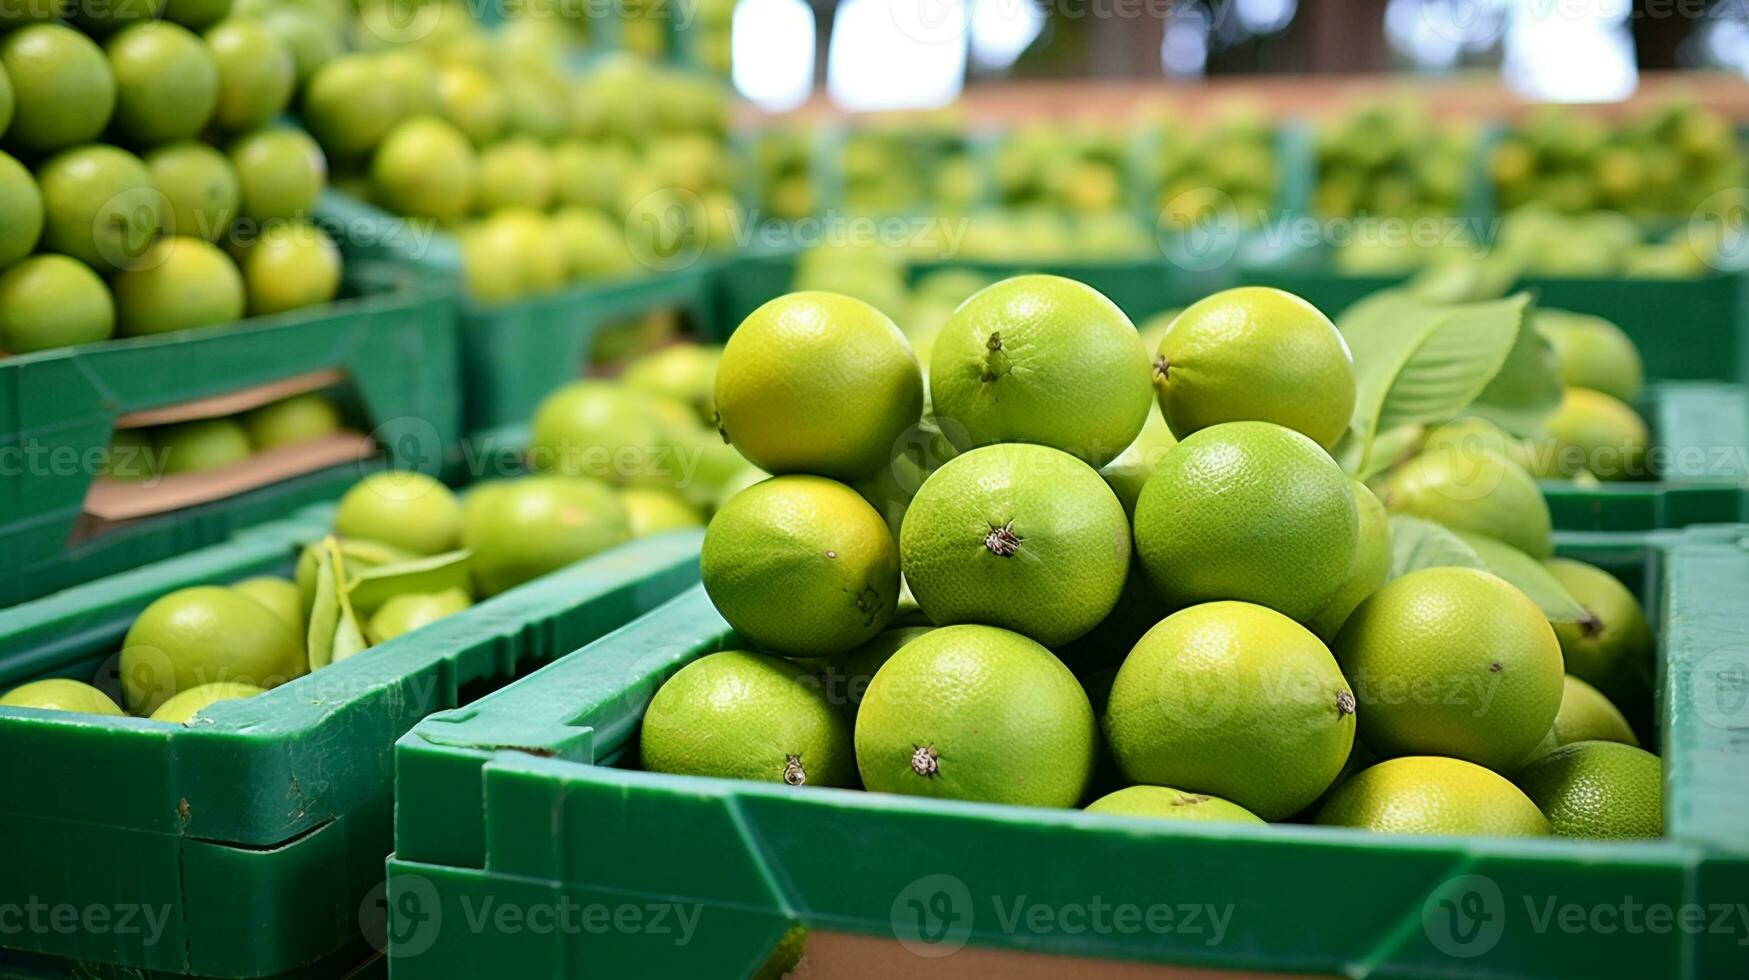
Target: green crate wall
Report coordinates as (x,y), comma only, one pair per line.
(512,354)
(393,338)
(516,801)
(261,829)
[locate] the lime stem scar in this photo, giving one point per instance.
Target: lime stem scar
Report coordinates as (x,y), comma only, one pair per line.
(923,761)
(793,773)
(1002,541)
(1160,368)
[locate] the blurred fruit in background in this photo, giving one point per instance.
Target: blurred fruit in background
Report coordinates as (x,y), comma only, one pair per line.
(1392,159)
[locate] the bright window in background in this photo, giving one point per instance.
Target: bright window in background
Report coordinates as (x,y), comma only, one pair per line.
(1002,30)
(897,54)
(1184,44)
(1570,52)
(772,52)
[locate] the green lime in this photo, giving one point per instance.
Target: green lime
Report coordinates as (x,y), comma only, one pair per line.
(413,78)
(292,265)
(348,107)
(195,14)
(818,383)
(1611,648)
(256,74)
(594,247)
(312,37)
(60,694)
(182,706)
(201,635)
(1472,489)
(1170,804)
(743,715)
(1367,572)
(100,206)
(280,172)
(21,208)
(1603,790)
(515,173)
(426,168)
(802,565)
(650,511)
(1596,434)
(1041,359)
(166,83)
(1255,353)
(402,509)
(199,186)
(471,102)
(52,301)
(602,430)
(1024,537)
(7,103)
(1236,700)
(1593,353)
(1587,716)
(1128,472)
(1455,662)
(100,17)
(406,613)
(1433,795)
(977,713)
(278,594)
(845,679)
(178,284)
(62,87)
(540,524)
(1250,511)
(300,418)
(202,445)
(130,455)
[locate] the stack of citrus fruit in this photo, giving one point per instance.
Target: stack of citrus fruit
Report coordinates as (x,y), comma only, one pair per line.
(545,178)
(146,185)
(212,443)
(1271,661)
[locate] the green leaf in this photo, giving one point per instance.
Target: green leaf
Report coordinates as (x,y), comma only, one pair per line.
(334,631)
(371,587)
(1530,577)
(1417,363)
(1527,390)
(1418,544)
(1467,278)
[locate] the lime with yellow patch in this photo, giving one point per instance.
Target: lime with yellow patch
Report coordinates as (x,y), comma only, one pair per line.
(801,565)
(817,383)
(1255,354)
(744,715)
(1453,662)
(1433,795)
(1164,803)
(977,713)
(1235,700)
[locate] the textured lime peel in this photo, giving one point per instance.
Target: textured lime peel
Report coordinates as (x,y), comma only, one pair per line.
(923,761)
(1002,541)
(793,773)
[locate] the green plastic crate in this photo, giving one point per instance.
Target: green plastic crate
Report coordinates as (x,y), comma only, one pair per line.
(393,339)
(513,812)
(513,354)
(1685,328)
(1701,429)
(257,835)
